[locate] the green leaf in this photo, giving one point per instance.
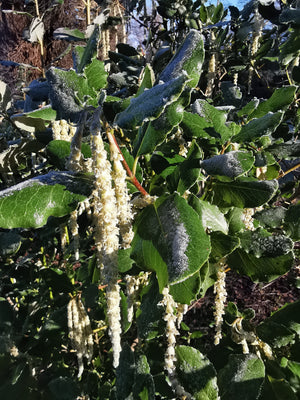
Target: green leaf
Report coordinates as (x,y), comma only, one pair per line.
(285,150)
(210,215)
(154,133)
(10,243)
(148,80)
(242,378)
(218,13)
(248,108)
(196,373)
(59,151)
(280,100)
(69,34)
(229,165)
(188,59)
(125,373)
(292,221)
(276,335)
(290,15)
(259,127)
(90,49)
(222,245)
(186,173)
(143,388)
(290,48)
(30,203)
(278,389)
(150,104)
(5,97)
(96,74)
(149,320)
(170,239)
(272,217)
(263,269)
(34,121)
(244,192)
(195,126)
(216,119)
(186,291)
(63,388)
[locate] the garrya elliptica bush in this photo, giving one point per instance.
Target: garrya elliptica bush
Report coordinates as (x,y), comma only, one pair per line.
(130,193)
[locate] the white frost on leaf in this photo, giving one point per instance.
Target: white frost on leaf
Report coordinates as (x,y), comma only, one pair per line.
(38,218)
(176,238)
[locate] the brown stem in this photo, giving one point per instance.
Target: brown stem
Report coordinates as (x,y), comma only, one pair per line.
(133,179)
(288,171)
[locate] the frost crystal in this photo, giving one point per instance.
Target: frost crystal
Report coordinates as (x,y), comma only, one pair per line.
(228,164)
(176,238)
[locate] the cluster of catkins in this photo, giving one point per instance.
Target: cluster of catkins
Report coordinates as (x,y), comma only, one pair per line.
(80,332)
(112,217)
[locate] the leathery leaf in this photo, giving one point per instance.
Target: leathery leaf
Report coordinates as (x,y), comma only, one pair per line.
(30,203)
(170,240)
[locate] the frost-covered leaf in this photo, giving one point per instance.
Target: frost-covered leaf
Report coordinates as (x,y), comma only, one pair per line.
(5,96)
(216,119)
(285,151)
(29,204)
(242,378)
(170,239)
(188,59)
(244,192)
(259,127)
(150,104)
(69,92)
(261,243)
(196,373)
(280,100)
(272,217)
(229,165)
(154,133)
(143,387)
(36,30)
(210,215)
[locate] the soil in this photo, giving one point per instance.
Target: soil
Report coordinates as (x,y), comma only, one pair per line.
(264,299)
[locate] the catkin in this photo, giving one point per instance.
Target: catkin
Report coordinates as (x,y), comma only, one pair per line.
(107,239)
(80,332)
(125,215)
(221,295)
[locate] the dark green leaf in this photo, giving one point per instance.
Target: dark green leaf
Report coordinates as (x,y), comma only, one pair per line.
(272,217)
(259,127)
(222,245)
(144,385)
(292,221)
(218,13)
(290,15)
(262,269)
(186,291)
(170,239)
(63,388)
(125,373)
(10,243)
(196,373)
(147,80)
(280,100)
(242,378)
(244,192)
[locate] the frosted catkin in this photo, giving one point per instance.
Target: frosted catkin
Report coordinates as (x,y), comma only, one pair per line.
(107,239)
(80,332)
(220,299)
(125,215)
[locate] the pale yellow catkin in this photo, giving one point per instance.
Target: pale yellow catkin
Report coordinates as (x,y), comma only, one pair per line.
(107,238)
(220,299)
